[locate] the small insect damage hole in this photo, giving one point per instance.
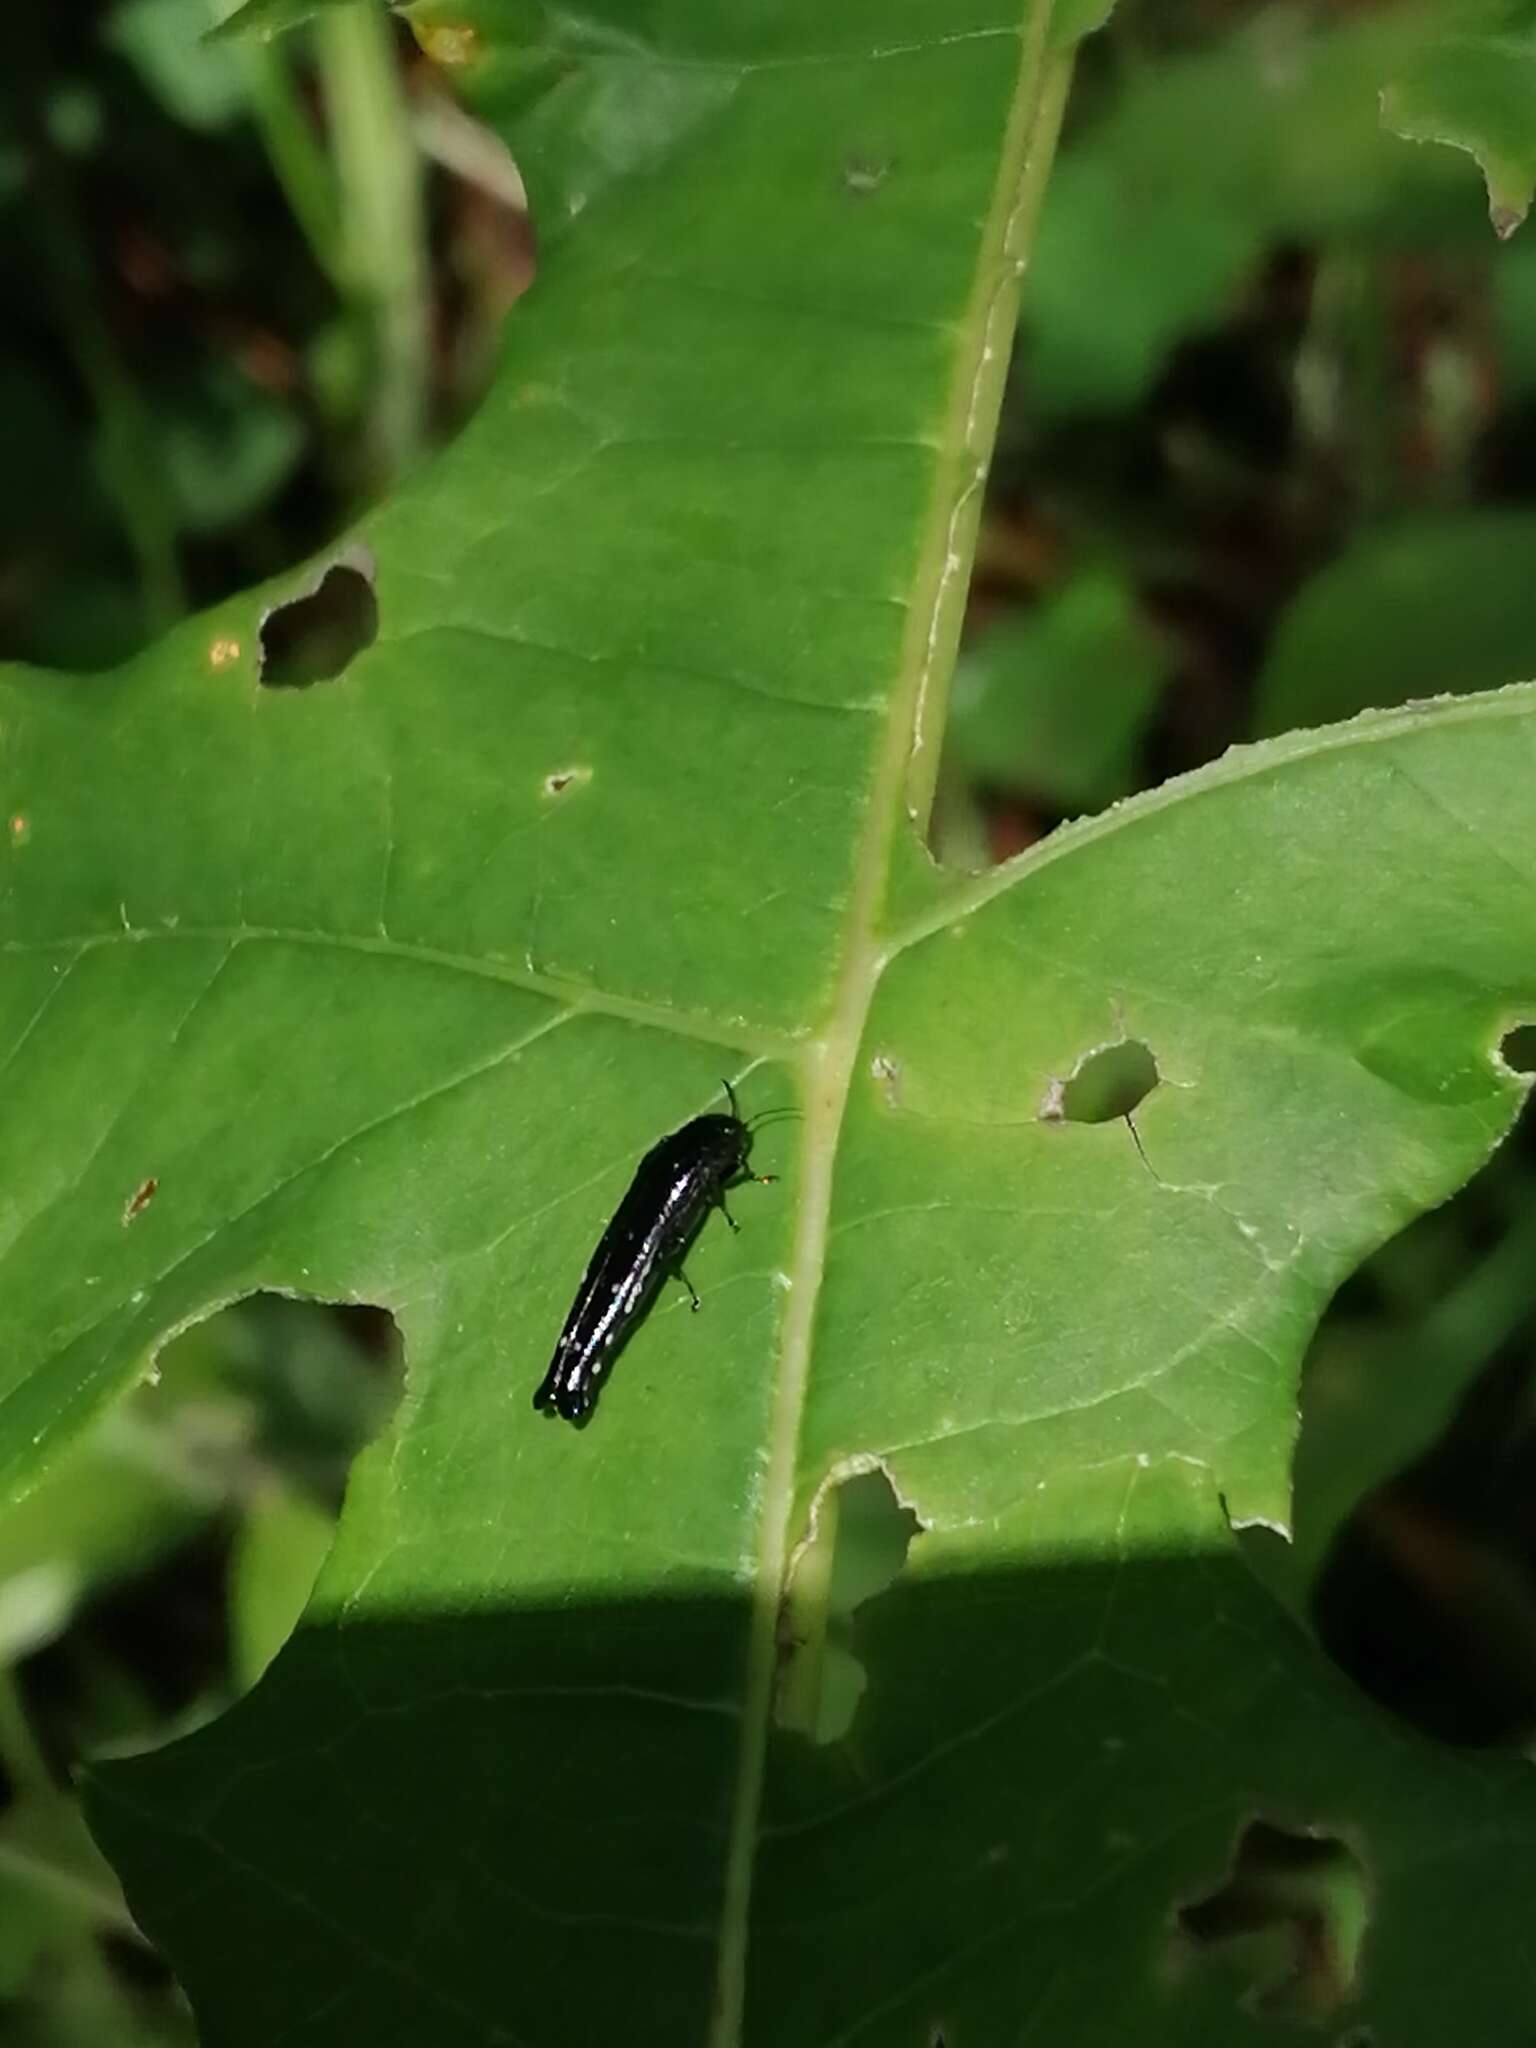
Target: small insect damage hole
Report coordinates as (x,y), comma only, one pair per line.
(887,1072)
(861,1532)
(314,637)
(1517,1048)
(1109,1082)
(863,175)
(140,1199)
(565,779)
(1289,1921)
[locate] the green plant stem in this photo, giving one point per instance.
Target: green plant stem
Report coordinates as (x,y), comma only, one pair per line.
(383,230)
(298,160)
(1488,1304)
(906,779)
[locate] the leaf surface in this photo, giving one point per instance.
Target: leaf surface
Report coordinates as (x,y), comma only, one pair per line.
(1422,608)
(1474,88)
(385,984)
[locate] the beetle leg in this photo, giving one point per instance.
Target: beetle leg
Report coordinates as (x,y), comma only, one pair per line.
(726,1213)
(689,1285)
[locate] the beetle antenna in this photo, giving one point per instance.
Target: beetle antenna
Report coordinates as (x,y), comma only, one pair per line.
(766,1116)
(730,1096)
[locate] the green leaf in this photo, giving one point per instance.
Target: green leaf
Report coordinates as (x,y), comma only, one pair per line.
(1016,716)
(1476,90)
(1122,277)
(268,18)
(1071,20)
(281,1547)
(1514,305)
(1148,232)
(378,989)
(1432,606)
(225,446)
(124,1495)
(168,44)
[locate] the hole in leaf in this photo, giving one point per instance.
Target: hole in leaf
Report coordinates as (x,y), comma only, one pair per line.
(860,1536)
(312,639)
(146,1581)
(1517,1048)
(564,779)
(888,1074)
(189,1523)
(1107,1083)
(140,1199)
(1289,1920)
(863,175)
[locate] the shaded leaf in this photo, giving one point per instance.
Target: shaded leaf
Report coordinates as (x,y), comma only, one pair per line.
(1429,607)
(168,44)
(1149,231)
(268,18)
(1017,713)
(1071,20)
(1476,91)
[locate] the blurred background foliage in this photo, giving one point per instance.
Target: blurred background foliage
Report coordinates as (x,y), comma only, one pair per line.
(246,285)
(1268,456)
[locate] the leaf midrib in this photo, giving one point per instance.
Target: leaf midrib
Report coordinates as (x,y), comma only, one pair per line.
(900,793)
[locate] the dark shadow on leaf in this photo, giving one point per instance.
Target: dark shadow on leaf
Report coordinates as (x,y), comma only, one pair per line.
(511,1823)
